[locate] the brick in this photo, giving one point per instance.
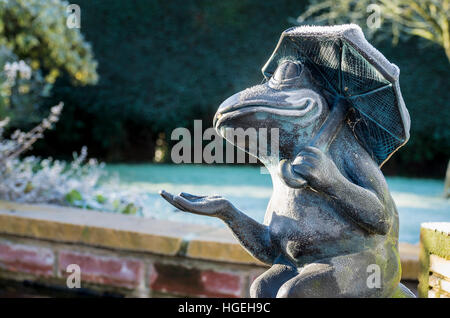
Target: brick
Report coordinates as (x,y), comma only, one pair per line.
(436,294)
(105,270)
(439,283)
(444,285)
(26,259)
(440,265)
(221,283)
(180,280)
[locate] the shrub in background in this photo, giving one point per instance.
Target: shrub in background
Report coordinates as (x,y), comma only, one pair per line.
(35,32)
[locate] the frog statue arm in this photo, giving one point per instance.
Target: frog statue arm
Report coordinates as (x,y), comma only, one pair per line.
(252,235)
(364,198)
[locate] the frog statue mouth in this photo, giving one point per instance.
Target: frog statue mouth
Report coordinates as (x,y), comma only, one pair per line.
(302,104)
(290,93)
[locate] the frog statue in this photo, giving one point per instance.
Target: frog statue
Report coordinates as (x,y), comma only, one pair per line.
(331,221)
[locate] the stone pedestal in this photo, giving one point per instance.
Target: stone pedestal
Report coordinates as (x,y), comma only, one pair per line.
(434,276)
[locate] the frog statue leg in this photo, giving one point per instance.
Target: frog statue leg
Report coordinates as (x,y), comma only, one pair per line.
(354,275)
(363,274)
(268,283)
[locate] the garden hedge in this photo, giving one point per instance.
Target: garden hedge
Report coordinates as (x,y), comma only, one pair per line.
(163,64)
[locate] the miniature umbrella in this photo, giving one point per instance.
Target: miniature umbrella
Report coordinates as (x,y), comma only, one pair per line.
(358,77)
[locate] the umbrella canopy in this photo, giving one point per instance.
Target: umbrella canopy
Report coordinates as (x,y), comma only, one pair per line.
(350,69)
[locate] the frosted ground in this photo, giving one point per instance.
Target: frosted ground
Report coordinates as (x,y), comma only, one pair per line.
(418,200)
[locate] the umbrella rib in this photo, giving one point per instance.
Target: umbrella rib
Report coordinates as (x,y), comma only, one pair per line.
(369,117)
(337,94)
(374,121)
(371,91)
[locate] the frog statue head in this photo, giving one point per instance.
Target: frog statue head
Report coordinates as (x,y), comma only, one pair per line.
(289,101)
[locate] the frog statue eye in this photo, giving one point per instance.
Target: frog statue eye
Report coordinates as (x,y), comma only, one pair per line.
(286,73)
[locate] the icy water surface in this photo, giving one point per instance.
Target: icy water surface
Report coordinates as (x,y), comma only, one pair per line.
(418,200)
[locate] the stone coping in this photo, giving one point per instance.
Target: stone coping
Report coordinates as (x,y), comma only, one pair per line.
(443,227)
(116,231)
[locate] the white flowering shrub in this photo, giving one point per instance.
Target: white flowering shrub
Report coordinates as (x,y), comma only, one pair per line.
(77,183)
(21,89)
(36,47)
(30,179)
(15,68)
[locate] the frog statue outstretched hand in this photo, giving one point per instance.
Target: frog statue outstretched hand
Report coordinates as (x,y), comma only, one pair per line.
(331,218)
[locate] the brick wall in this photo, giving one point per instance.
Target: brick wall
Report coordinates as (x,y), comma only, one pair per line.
(121,255)
(131,274)
(128,256)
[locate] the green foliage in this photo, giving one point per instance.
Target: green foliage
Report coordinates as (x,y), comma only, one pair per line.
(36,30)
(130,208)
(73,196)
(34,33)
(100,199)
(163,64)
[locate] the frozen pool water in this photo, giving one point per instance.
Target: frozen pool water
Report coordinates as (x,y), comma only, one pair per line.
(418,200)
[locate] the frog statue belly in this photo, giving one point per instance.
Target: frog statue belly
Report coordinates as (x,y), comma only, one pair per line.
(310,231)
(331,222)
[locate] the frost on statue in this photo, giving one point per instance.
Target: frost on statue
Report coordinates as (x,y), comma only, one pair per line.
(331,220)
